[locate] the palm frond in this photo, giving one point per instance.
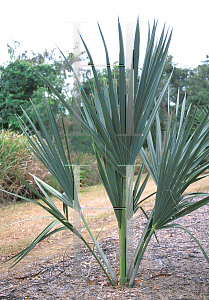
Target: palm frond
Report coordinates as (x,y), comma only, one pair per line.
(182,163)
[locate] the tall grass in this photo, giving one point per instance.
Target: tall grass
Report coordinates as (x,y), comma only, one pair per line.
(16,158)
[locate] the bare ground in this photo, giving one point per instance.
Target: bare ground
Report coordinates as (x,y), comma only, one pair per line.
(176,269)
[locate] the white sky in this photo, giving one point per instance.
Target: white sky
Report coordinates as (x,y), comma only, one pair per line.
(39,24)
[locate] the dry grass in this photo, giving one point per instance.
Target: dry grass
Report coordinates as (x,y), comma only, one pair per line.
(15,158)
(95,206)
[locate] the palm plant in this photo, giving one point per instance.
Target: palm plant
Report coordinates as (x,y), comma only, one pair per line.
(179,165)
(117,126)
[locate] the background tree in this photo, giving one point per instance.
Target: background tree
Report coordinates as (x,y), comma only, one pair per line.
(19,85)
(198,85)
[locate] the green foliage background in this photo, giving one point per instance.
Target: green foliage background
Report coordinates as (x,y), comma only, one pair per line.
(19,84)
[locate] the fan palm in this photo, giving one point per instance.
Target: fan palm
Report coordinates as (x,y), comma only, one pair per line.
(117,125)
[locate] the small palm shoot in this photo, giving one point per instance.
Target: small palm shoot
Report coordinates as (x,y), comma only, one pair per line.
(173,171)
